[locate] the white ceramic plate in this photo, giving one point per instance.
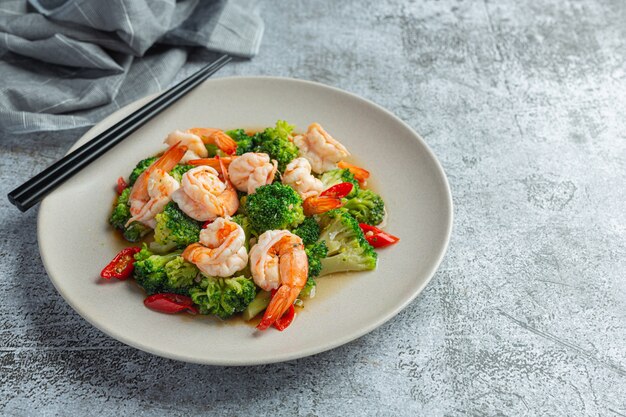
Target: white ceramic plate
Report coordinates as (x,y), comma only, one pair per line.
(76,242)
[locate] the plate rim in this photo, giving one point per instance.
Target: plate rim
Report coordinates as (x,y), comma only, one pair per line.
(349,337)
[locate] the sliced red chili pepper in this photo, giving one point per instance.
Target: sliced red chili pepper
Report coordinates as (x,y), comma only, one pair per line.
(338,191)
(286,319)
(170,303)
(121,185)
(206,223)
(376,237)
(122,265)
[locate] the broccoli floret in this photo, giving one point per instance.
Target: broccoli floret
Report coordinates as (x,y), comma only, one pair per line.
(366,207)
(347,248)
(121,210)
(121,213)
(175,228)
(180,273)
(308,230)
(223,296)
(163,273)
(337,176)
(315,253)
(275,142)
(274,206)
(245,143)
(140,168)
(282,130)
(179,170)
(143,254)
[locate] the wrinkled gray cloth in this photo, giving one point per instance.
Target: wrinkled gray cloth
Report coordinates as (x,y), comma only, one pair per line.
(69,63)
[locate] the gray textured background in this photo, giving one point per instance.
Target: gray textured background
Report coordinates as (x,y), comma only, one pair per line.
(525,107)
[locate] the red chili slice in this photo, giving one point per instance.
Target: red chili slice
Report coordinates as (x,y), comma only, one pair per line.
(170,303)
(376,237)
(121,185)
(286,319)
(206,223)
(122,265)
(338,191)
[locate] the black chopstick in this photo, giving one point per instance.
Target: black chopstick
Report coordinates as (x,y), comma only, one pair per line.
(34,190)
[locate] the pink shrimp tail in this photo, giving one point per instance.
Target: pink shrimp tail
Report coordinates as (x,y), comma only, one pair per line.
(284,297)
(170,158)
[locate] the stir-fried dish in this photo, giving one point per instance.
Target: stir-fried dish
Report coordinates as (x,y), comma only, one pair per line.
(243,223)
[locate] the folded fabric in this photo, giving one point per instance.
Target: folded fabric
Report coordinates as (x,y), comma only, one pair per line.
(69,63)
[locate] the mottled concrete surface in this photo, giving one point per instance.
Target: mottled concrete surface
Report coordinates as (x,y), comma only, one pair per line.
(524,105)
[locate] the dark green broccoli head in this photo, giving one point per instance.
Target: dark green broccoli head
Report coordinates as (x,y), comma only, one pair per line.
(337,176)
(275,142)
(175,228)
(178,171)
(274,206)
(163,273)
(366,207)
(245,143)
(308,291)
(121,210)
(223,297)
(347,248)
(121,213)
(315,252)
(140,168)
(308,230)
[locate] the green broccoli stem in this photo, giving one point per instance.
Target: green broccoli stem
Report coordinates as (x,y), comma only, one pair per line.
(260,303)
(344,263)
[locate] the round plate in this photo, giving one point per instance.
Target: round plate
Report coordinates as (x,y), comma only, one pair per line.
(76,241)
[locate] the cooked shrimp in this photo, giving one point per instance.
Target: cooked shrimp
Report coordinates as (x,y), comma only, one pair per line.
(298,175)
(215,137)
(153,189)
(319,205)
(360,174)
(252,170)
(216,163)
(203,196)
(321,149)
(278,261)
(195,146)
(221,251)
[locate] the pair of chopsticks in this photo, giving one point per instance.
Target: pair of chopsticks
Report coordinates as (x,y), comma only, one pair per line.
(34,190)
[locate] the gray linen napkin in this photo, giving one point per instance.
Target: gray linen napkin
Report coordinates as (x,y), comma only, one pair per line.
(69,63)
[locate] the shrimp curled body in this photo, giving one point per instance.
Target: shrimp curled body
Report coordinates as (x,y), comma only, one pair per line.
(153,189)
(322,150)
(194,144)
(203,196)
(252,170)
(298,175)
(278,261)
(221,251)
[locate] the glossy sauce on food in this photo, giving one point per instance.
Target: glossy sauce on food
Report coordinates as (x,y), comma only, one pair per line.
(325,285)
